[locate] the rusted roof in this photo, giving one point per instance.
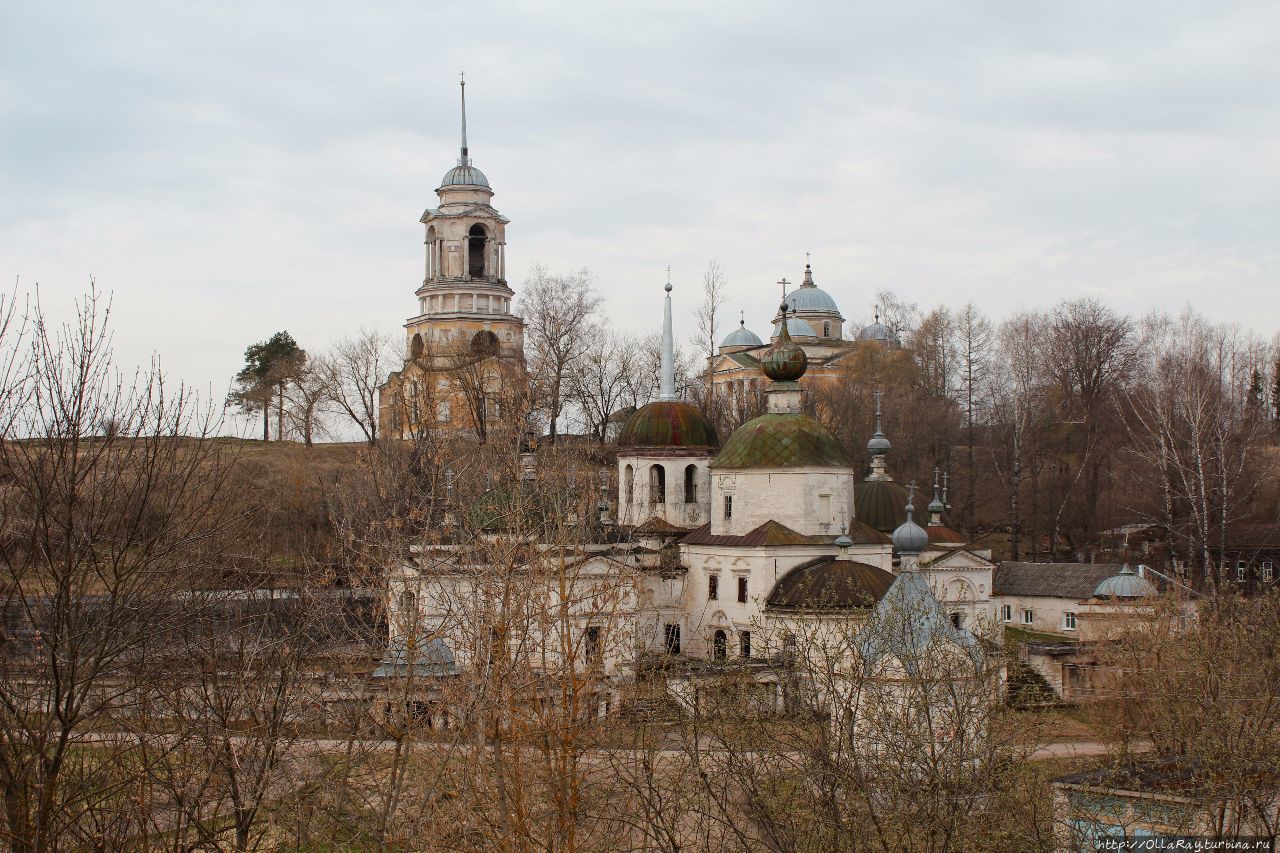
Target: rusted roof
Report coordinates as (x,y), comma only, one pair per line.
(769,533)
(942,533)
(667,423)
(781,441)
(659,526)
(825,583)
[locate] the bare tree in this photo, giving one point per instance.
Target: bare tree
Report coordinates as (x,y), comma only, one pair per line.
(973,342)
(355,367)
(600,384)
(103,532)
(559,310)
(706,339)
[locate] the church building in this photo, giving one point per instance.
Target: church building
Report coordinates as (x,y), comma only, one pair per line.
(464,369)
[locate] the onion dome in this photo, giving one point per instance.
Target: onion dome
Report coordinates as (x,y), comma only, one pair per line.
(781,441)
(742,337)
(796,327)
(829,584)
(784,361)
(1126,584)
(667,423)
(909,537)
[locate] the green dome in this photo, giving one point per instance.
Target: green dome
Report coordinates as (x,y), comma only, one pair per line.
(781,441)
(667,423)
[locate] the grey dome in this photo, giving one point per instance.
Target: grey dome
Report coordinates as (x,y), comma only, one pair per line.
(879,443)
(910,538)
(877,331)
(742,337)
(796,327)
(811,300)
(464,175)
(1126,584)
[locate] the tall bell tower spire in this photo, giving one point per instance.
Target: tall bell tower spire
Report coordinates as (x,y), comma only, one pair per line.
(667,379)
(464,159)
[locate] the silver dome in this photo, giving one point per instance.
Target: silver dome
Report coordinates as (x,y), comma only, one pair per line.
(1126,584)
(811,300)
(879,443)
(877,331)
(743,337)
(796,327)
(910,537)
(464,176)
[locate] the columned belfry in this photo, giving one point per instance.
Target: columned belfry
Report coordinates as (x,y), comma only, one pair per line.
(464,349)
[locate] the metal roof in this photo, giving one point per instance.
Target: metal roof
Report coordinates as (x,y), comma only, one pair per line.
(464,175)
(825,583)
(795,327)
(742,337)
(1051,580)
(667,423)
(907,623)
(781,441)
(882,504)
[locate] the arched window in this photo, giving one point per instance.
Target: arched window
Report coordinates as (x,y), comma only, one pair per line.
(408,608)
(720,645)
(476,240)
(433,262)
(657,484)
(629,483)
(484,344)
(826,328)
(416,347)
(691,484)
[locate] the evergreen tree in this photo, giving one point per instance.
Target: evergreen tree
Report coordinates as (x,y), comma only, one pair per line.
(1255,398)
(269,366)
(1275,390)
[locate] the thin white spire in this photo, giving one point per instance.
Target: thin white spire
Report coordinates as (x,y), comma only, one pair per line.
(465,159)
(667,380)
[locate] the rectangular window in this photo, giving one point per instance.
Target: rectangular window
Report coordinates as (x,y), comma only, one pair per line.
(1068,621)
(442,411)
(824,508)
(1028,617)
(713,588)
(1006,612)
(728,506)
(671,638)
(744,643)
(1268,571)
(1240,570)
(591,644)
(742,590)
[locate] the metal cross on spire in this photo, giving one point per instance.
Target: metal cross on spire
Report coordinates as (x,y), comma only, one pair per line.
(783,284)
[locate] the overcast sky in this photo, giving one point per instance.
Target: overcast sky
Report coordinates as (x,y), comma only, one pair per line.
(229,169)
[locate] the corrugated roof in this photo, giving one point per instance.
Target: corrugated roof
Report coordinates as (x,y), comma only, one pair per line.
(1051,580)
(769,533)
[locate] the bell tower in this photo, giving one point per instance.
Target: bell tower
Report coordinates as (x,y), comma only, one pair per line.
(464,321)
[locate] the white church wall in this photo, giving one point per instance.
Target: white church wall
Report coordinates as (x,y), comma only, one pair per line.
(807,500)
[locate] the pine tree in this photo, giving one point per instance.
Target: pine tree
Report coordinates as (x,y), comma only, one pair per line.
(1255,397)
(269,366)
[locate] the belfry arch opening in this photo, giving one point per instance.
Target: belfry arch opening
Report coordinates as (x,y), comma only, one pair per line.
(477,238)
(416,347)
(691,484)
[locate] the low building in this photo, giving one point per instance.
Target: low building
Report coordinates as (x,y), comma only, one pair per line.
(1162,796)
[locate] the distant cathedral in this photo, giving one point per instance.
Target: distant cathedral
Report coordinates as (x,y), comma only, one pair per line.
(464,369)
